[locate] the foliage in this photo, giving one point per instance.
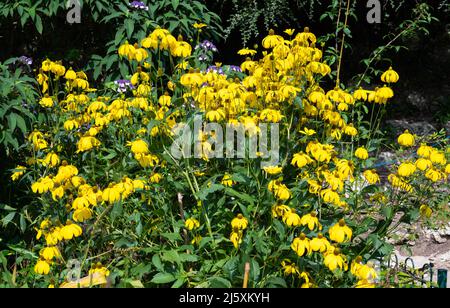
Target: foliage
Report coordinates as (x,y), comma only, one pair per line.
(112,200)
(114,22)
(17,91)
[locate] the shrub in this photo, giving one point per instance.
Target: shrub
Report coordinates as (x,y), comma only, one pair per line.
(111,195)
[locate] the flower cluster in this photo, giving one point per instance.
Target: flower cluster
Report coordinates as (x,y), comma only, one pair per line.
(102,162)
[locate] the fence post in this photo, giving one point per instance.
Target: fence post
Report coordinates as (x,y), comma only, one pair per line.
(442,278)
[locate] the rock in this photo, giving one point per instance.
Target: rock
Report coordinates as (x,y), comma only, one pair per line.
(417,100)
(420,128)
(411,243)
(437,238)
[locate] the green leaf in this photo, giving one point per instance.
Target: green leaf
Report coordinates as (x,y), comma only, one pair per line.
(156,260)
(162,278)
(175,4)
(171,256)
(243,196)
(116,210)
(38,24)
(219,282)
(203,194)
(129,26)
(8,218)
(178,283)
(21,124)
(184,257)
(12,122)
(137,284)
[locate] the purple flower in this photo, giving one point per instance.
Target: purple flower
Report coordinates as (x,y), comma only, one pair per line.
(235,68)
(138,5)
(123,85)
(25,60)
(203,58)
(215,69)
(207,46)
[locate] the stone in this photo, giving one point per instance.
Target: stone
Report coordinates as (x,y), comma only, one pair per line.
(420,128)
(437,238)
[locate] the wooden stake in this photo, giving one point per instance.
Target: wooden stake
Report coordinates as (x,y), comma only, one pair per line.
(246,275)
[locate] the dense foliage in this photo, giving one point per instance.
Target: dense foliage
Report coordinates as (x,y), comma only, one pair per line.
(111,200)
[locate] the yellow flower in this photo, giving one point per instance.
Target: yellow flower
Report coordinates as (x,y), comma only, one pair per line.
(71,125)
(18,172)
(360,94)
(236,238)
(49,253)
(70,75)
(51,160)
(291,218)
(423,164)
(42,267)
(215,115)
(272,40)
(227,181)
(301,245)
(438,157)
(246,52)
(334,260)
(200,25)
(197,239)
(156,178)
(330,196)
(308,132)
(406,169)
(390,76)
(139,146)
(54,236)
(140,54)
(111,195)
(314,187)
(406,139)
(82,214)
(43,185)
(289,268)
(424,151)
(447,169)
(311,221)
(364,284)
(71,230)
(182,49)
(46,102)
(289,32)
(239,222)
(320,243)
(279,210)
(99,268)
(127,50)
(433,175)
(165,100)
(191,224)
(271,115)
(301,160)
(282,192)
(340,232)
(362,153)
(371,176)
(87,143)
(398,182)
(273,170)
(46,65)
(425,211)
